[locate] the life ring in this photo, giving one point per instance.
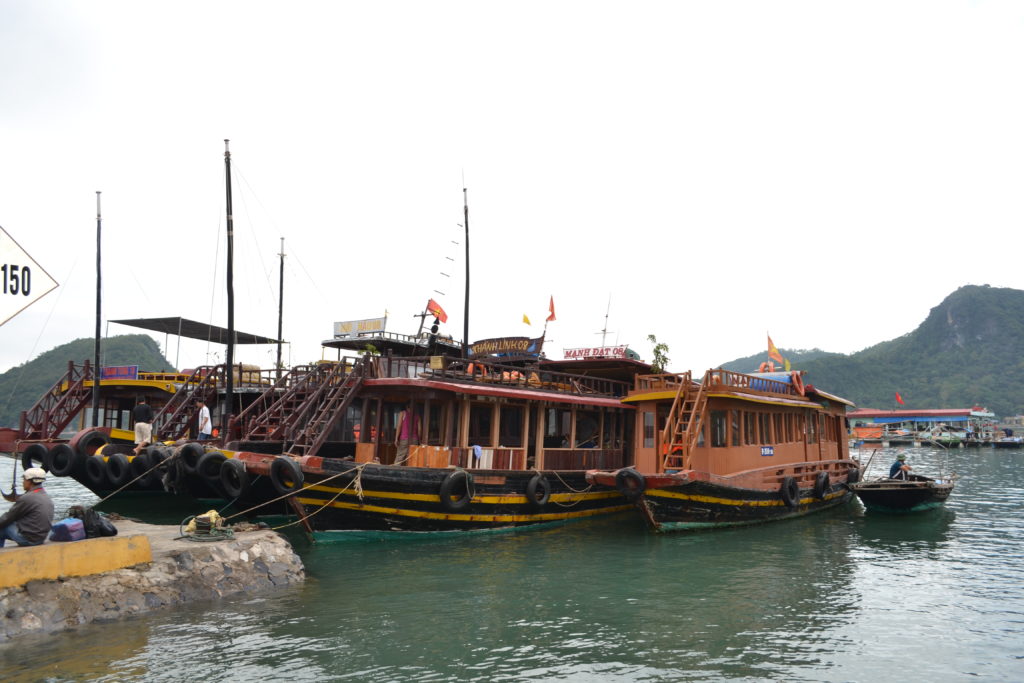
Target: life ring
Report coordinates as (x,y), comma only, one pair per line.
(36,452)
(63,460)
(797,379)
(208,467)
(457,490)
(538,491)
(630,483)
(233,478)
(189,455)
(790,492)
(285,475)
(94,473)
(91,441)
(822,484)
(853,475)
(766,366)
(119,470)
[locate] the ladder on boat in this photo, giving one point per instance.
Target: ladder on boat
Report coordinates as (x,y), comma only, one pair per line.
(326,408)
(684,423)
(176,417)
(55,410)
(278,414)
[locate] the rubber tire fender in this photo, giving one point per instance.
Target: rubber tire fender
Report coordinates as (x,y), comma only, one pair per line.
(92,441)
(234,478)
(189,455)
(790,492)
(630,483)
(119,470)
(538,491)
(94,473)
(64,461)
(286,475)
(208,467)
(822,484)
(853,475)
(458,482)
(143,467)
(38,453)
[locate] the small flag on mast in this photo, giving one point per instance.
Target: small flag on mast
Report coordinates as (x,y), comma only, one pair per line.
(551,307)
(526,319)
(899,399)
(773,352)
(435,309)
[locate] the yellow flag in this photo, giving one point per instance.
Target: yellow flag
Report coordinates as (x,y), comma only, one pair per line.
(525,319)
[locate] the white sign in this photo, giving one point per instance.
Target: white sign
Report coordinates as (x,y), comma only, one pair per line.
(596,352)
(24,280)
(354,328)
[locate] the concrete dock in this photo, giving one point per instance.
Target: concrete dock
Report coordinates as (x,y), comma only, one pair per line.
(57,586)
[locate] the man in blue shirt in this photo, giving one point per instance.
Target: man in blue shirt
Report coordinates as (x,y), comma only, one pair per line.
(900,469)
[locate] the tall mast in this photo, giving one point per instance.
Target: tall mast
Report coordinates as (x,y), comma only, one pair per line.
(99,299)
(280,309)
(465,313)
(229,360)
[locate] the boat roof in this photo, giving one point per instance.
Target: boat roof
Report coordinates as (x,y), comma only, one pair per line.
(397,344)
(193,329)
(622,369)
(906,414)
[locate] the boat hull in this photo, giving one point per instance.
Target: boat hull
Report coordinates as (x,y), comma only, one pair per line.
(894,495)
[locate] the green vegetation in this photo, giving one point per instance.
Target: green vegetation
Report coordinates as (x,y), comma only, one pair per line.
(22,386)
(660,354)
(969,351)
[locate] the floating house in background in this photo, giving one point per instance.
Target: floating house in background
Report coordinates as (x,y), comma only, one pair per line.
(973,426)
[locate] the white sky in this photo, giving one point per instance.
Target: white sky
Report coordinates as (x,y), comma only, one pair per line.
(826,172)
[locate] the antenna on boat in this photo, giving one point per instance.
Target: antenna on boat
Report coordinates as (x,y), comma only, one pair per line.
(99,298)
(604,331)
(465,315)
(229,359)
(280,309)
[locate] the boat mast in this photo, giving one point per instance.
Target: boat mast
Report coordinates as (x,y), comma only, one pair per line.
(229,359)
(280,308)
(465,313)
(99,298)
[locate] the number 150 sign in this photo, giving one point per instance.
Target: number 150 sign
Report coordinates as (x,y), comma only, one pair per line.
(24,280)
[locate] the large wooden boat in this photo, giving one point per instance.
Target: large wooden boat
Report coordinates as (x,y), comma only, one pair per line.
(732,449)
(912,494)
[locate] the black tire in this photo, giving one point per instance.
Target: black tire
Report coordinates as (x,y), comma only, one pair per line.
(88,443)
(208,467)
(853,475)
(790,492)
(286,475)
(233,478)
(538,491)
(189,455)
(35,452)
(822,484)
(94,473)
(630,483)
(64,461)
(119,470)
(143,467)
(157,456)
(457,491)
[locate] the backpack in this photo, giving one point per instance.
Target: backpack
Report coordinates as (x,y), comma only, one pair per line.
(95,523)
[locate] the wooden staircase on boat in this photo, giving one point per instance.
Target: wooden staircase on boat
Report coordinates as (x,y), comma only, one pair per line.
(684,422)
(52,413)
(271,416)
(176,417)
(326,408)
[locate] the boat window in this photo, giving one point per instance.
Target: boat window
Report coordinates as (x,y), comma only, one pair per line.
(557,428)
(812,428)
(588,425)
(511,426)
(435,425)
(648,429)
(734,418)
(719,429)
(749,430)
(480,417)
(612,430)
(351,424)
(764,421)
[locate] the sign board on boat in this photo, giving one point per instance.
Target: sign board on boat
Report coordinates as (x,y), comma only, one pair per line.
(506,346)
(119,372)
(24,280)
(596,352)
(355,328)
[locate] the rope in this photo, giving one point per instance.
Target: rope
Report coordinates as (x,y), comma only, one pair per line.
(214,534)
(566,485)
(358,470)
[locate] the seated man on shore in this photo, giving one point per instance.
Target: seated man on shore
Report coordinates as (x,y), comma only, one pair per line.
(28,521)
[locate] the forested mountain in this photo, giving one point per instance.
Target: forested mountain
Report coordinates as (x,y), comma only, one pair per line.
(22,386)
(968,351)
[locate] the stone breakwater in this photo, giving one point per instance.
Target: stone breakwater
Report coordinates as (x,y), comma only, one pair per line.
(182,571)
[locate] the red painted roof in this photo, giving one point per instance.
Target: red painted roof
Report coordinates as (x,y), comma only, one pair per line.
(485,390)
(931,412)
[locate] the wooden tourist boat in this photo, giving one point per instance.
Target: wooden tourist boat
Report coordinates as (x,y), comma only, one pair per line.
(913,494)
(733,449)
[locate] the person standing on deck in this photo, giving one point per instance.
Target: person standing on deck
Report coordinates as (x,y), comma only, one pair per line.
(205,424)
(142,413)
(408,431)
(28,521)
(900,469)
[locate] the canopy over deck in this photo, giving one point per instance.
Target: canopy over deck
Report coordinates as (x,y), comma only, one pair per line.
(194,330)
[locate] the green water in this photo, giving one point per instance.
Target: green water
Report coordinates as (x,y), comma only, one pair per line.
(843,595)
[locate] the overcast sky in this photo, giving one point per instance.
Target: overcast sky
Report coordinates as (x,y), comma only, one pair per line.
(825,172)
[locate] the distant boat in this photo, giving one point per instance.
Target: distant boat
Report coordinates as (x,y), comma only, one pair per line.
(913,494)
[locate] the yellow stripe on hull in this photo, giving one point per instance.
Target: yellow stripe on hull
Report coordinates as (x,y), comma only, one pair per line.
(456,517)
(661,493)
(564,498)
